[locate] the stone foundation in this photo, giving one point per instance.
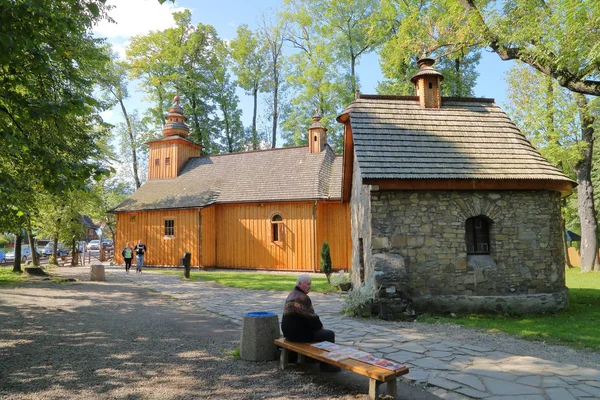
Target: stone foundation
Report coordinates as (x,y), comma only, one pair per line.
(519,304)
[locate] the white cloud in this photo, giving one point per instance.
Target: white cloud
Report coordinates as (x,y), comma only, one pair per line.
(136,17)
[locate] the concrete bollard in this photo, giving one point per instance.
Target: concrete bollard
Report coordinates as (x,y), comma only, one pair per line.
(97,273)
(259,330)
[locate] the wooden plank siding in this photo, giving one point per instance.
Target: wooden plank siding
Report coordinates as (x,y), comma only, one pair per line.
(333,226)
(244,237)
(150,227)
(177,154)
(240,235)
(208,238)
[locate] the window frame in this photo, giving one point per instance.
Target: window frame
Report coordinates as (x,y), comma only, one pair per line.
(477,235)
(167,229)
(277,227)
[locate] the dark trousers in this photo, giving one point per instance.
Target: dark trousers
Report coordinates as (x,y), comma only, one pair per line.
(324,335)
(127,263)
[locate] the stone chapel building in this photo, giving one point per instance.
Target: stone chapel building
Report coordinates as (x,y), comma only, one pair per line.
(452,208)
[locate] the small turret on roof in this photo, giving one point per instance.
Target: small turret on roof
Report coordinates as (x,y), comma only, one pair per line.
(317,135)
(176,121)
(427,84)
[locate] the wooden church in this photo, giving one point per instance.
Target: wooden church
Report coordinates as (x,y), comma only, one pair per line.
(270,209)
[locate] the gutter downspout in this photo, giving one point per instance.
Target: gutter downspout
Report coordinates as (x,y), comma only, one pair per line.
(314,238)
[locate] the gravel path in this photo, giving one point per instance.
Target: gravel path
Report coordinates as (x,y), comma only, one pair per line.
(101,340)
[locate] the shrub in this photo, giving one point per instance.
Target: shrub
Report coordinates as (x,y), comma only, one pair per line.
(326,261)
(358,301)
(338,278)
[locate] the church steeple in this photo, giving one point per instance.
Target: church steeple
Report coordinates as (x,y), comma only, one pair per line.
(176,121)
(168,155)
(317,135)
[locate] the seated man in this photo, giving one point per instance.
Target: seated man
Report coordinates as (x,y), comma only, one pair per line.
(300,323)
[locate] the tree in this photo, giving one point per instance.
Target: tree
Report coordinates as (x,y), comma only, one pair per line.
(348,28)
(318,85)
(49,121)
(423,28)
(148,60)
(558,38)
(230,122)
(114,85)
(547,114)
(326,267)
(130,151)
(273,35)
(250,67)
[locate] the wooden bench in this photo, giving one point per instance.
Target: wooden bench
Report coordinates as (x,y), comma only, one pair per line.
(377,375)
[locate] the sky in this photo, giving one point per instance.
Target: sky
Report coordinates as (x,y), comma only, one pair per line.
(139,17)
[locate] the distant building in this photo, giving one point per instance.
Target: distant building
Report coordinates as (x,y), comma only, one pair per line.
(269,209)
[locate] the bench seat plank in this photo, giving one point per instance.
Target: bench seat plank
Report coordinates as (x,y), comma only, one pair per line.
(359,367)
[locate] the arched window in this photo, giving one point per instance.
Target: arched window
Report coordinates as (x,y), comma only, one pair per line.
(478,235)
(276,228)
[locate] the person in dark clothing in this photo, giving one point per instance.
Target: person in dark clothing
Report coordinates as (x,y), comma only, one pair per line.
(140,250)
(300,323)
(127,254)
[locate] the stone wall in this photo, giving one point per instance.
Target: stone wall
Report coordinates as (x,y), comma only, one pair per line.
(419,250)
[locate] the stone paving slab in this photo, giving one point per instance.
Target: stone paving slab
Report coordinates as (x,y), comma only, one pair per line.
(450,370)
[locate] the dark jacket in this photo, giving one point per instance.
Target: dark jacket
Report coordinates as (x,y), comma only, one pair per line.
(140,249)
(299,322)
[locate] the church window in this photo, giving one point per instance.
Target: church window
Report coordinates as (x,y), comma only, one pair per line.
(157,162)
(169,227)
(478,235)
(276,228)
(168,161)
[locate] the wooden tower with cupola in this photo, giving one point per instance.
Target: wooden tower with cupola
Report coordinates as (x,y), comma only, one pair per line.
(427,84)
(168,155)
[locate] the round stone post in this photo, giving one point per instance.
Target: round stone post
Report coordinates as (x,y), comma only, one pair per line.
(259,330)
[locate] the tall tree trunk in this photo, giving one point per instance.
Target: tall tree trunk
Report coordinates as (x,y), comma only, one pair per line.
(34,257)
(18,244)
(136,176)
(254,111)
(585,191)
(275,109)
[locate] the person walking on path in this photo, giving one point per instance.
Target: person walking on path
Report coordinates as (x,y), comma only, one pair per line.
(300,323)
(140,250)
(127,254)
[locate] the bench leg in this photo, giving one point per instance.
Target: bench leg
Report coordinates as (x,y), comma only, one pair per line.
(392,388)
(301,359)
(373,388)
(283,358)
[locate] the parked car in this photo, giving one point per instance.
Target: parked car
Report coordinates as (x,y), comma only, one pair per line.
(62,250)
(107,243)
(25,254)
(93,245)
(2,256)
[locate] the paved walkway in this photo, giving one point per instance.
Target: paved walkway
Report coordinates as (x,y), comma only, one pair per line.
(451,369)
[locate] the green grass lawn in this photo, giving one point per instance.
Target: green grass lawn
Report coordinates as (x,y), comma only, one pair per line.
(578,326)
(255,280)
(7,277)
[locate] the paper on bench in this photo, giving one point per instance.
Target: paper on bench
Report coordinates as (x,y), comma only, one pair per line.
(381,362)
(327,346)
(344,353)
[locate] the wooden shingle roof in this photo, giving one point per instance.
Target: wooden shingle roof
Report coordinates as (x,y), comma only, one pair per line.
(395,138)
(286,174)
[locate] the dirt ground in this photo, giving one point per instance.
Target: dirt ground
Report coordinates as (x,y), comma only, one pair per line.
(115,340)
